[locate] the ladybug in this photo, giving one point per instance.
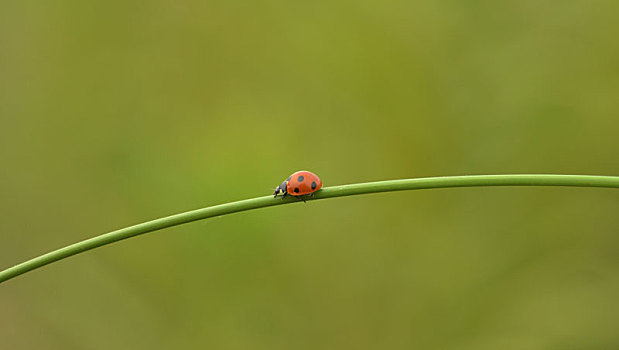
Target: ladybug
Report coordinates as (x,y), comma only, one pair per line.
(299,184)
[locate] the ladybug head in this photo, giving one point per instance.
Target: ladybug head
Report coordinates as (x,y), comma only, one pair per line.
(281,189)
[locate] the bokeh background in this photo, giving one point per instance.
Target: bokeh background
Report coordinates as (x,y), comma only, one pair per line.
(117,112)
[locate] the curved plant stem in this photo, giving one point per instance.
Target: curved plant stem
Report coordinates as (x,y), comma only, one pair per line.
(330,192)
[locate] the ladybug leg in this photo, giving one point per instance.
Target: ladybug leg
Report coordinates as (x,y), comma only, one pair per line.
(284,196)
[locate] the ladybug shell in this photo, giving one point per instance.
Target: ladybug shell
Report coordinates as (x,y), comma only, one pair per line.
(303,182)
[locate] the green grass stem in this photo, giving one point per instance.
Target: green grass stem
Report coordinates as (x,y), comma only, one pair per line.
(329,192)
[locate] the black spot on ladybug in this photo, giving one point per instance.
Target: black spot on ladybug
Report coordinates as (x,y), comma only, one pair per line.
(296,190)
(301,178)
(314,185)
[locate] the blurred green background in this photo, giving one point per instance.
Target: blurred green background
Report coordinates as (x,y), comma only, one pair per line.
(117,112)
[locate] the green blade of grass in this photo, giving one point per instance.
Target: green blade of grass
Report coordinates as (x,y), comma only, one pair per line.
(329,192)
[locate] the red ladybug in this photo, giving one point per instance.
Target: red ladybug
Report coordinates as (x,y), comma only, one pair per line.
(299,184)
